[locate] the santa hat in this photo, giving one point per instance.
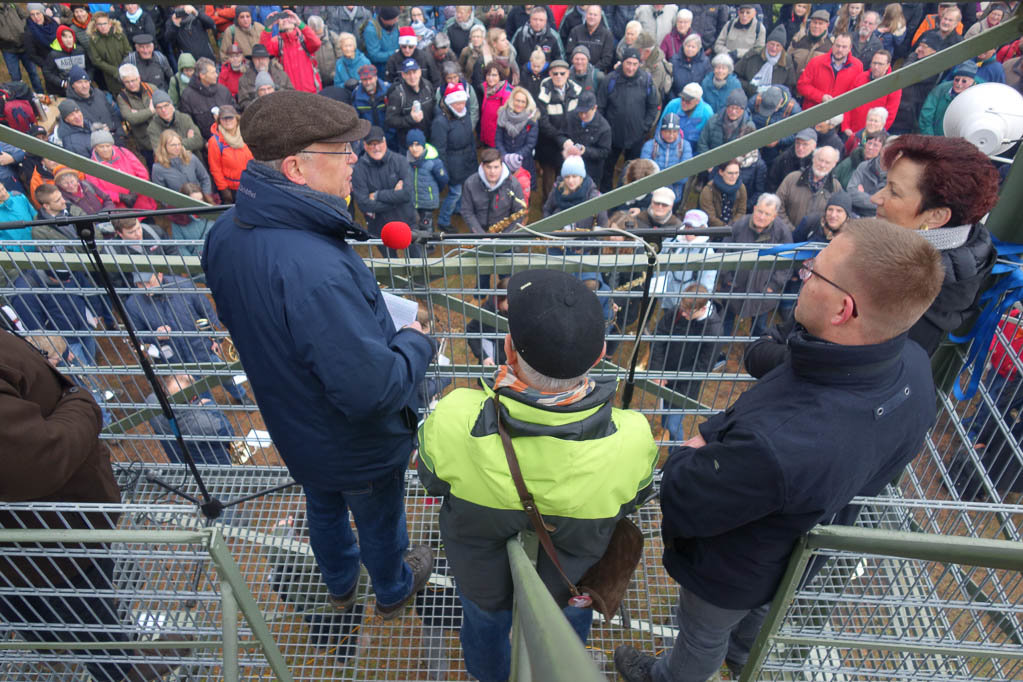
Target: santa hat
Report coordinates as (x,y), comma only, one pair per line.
(455,93)
(406,36)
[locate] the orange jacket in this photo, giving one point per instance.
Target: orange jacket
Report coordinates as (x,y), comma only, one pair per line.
(930,22)
(226,162)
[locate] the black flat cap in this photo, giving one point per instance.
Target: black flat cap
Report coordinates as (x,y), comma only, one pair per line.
(259,50)
(283,123)
(556,322)
(142,39)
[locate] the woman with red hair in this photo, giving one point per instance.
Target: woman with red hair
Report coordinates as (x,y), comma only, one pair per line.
(942,187)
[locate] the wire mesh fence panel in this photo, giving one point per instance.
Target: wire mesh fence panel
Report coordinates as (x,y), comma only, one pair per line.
(709,301)
(137,609)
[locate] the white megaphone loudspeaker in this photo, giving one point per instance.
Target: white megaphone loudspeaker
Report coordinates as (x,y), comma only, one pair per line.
(989,115)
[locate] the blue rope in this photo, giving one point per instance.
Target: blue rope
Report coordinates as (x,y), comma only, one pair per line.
(998,299)
(796,249)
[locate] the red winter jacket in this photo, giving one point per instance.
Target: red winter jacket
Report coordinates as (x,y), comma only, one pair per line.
(819,79)
(1001,357)
(226,162)
(492,101)
(298,63)
(230,78)
(856,119)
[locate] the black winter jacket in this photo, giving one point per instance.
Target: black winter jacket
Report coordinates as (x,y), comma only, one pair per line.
(966,269)
(630,105)
(379,178)
(455,142)
(595,136)
(781,459)
(400,99)
(556,111)
(600,43)
(98,108)
(197,100)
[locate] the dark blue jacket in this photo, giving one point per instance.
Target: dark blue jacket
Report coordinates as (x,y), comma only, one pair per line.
(685,71)
(524,143)
(829,423)
(428,178)
(456,144)
(373,107)
(57,311)
(178,310)
(335,382)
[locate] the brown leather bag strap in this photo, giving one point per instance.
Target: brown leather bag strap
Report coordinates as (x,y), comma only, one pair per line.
(526,498)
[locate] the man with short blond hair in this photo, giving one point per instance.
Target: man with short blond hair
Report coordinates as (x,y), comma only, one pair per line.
(843,404)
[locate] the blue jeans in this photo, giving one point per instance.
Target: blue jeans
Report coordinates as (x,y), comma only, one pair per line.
(486,646)
(84,352)
(13,60)
(673,424)
(758,326)
(378,508)
(452,204)
(707,636)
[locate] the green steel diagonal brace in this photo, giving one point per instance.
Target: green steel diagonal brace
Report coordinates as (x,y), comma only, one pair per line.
(230,574)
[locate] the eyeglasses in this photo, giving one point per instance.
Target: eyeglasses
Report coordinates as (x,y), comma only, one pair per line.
(806,271)
(347,152)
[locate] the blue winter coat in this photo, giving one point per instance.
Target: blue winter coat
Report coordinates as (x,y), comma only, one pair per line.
(686,71)
(335,382)
(665,155)
(428,178)
(716,97)
(692,125)
(373,107)
(380,47)
(347,69)
(734,508)
(456,144)
(179,311)
(524,143)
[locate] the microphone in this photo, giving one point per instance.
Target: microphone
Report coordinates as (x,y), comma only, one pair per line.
(396,235)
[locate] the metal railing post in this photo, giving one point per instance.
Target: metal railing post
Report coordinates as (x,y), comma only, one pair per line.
(782,598)
(229,623)
(229,574)
(548,645)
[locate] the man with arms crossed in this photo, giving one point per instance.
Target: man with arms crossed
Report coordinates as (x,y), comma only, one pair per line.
(840,407)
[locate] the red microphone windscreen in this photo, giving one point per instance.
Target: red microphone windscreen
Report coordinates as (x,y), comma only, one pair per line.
(396,235)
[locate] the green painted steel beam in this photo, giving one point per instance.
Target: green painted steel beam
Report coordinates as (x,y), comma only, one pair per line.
(956,650)
(157,645)
(229,574)
(89,167)
(1006,32)
(95,536)
(554,650)
(923,546)
(786,591)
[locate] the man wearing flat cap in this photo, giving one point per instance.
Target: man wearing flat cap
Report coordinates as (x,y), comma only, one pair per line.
(334,380)
(586,463)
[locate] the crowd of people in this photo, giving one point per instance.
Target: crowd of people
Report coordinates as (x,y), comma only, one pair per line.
(433,112)
(157,92)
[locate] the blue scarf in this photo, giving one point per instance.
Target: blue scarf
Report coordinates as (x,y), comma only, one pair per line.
(330,213)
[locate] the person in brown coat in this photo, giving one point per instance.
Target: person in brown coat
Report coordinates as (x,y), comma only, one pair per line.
(50,452)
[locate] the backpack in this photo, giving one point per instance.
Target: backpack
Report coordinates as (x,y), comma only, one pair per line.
(613,78)
(16,110)
(788,107)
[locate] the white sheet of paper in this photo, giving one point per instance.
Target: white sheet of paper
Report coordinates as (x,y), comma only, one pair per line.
(402,310)
(258,439)
(488,348)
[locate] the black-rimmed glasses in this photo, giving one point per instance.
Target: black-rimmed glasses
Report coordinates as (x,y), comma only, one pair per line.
(344,153)
(806,271)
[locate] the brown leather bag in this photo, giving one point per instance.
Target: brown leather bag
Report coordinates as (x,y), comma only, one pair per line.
(605,583)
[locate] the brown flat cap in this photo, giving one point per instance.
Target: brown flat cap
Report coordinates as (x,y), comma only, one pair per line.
(283,123)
